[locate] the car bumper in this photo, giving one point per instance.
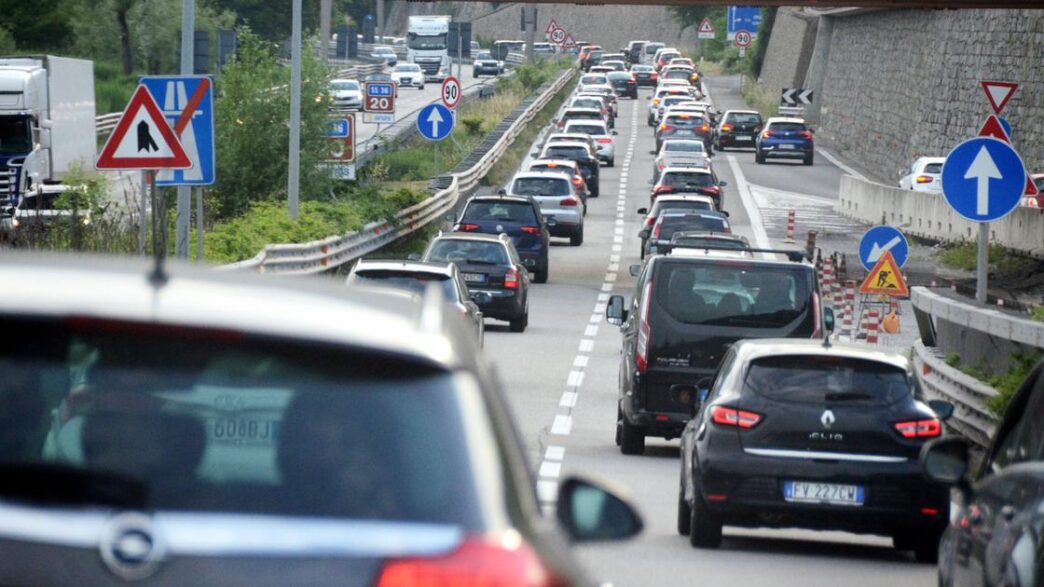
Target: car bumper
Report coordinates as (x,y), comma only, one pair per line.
(484,69)
(736,140)
(504,304)
(795,151)
(606,152)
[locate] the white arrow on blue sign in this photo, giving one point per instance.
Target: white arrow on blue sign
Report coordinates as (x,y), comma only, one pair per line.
(879,240)
(983,179)
(435,122)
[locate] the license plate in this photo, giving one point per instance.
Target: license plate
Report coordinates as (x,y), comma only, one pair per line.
(407,80)
(474,277)
(831,493)
(744,139)
(787,147)
(242,431)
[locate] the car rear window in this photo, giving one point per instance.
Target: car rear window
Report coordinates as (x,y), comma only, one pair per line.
(743,118)
(582,116)
(641,68)
(540,186)
(552,167)
(684,146)
(619,75)
(788,126)
(740,294)
(652,48)
(456,250)
(818,379)
(681,205)
(934,168)
(592,79)
(501,212)
(587,103)
(718,243)
(589,129)
(682,179)
(684,120)
(150,417)
(577,153)
(677,74)
(415,281)
(672,223)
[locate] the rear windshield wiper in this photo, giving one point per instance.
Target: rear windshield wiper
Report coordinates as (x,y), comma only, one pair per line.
(479,262)
(845,396)
(60,484)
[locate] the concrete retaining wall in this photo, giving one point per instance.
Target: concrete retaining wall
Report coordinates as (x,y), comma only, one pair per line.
(789,50)
(929,216)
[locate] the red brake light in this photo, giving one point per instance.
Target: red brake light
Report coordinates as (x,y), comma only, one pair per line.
(664,126)
(641,350)
(732,417)
(654,75)
(467,227)
(656,231)
(604,140)
(767,134)
(919,428)
(726,128)
(475,562)
(531,229)
(704,128)
(924,179)
(570,201)
(662,189)
(805,134)
(511,279)
(660,164)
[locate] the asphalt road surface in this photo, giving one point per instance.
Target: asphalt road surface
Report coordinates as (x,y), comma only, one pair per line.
(561,379)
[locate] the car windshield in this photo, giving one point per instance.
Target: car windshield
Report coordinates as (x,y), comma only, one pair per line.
(414,281)
(147,418)
(683,146)
(426,42)
(818,379)
(736,293)
(590,129)
(407,68)
(561,152)
(500,211)
(468,252)
(678,179)
(16,135)
(485,56)
(671,222)
(736,118)
(541,186)
(345,86)
(787,127)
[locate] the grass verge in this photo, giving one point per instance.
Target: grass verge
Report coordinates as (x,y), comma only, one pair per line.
(965,256)
(759,98)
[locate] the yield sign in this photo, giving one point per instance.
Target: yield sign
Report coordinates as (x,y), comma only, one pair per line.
(143,139)
(999,93)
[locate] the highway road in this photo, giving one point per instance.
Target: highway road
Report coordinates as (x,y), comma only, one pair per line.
(561,379)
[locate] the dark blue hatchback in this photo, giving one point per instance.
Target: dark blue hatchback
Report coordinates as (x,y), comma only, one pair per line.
(517,217)
(787,138)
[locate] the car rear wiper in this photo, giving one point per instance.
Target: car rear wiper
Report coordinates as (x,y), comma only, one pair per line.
(57,483)
(845,396)
(479,262)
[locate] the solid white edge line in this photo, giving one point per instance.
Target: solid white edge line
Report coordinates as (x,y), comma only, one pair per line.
(841,165)
(757,224)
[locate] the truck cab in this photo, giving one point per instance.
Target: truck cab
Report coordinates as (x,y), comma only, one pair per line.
(426,45)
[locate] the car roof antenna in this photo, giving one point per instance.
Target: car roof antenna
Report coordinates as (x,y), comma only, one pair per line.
(158,276)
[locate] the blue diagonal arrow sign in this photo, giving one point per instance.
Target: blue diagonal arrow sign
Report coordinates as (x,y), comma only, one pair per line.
(435,122)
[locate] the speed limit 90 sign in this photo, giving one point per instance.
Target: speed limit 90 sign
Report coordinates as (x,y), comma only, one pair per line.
(451,92)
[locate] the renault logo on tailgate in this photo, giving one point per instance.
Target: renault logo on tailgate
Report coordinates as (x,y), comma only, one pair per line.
(827,419)
(130,547)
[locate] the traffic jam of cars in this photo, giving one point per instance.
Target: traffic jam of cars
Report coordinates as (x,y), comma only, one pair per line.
(204,427)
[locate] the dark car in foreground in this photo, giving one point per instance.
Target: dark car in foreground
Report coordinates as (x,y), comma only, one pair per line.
(519,218)
(658,238)
(996,537)
(686,313)
(191,427)
(785,138)
(811,435)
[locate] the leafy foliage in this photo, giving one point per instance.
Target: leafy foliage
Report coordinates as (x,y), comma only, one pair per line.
(38,24)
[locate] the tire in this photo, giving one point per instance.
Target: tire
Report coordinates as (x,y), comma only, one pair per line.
(926,545)
(577,238)
(808,160)
(519,324)
(611,162)
(704,525)
(759,157)
(540,276)
(684,510)
(649,121)
(632,439)
(420,87)
(619,420)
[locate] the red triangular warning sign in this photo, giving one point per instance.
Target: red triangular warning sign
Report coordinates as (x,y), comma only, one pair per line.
(706,26)
(885,278)
(551,26)
(999,93)
(143,139)
(1031,187)
(993,128)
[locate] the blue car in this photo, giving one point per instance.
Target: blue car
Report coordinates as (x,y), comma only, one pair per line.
(518,217)
(785,138)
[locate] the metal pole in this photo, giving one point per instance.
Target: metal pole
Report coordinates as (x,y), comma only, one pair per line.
(199,225)
(380,21)
(436,157)
(325,15)
(143,230)
(530,30)
(293,184)
(982,266)
(188,46)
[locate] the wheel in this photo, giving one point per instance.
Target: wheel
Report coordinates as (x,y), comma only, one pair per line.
(519,324)
(619,425)
(632,439)
(577,238)
(540,276)
(704,525)
(684,511)
(649,121)
(717,146)
(926,545)
(759,157)
(421,87)
(809,159)
(611,162)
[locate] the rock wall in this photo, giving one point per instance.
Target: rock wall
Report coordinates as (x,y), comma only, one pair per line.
(790,47)
(905,83)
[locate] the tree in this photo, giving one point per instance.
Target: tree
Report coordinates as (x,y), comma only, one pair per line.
(269,19)
(40,25)
(121,8)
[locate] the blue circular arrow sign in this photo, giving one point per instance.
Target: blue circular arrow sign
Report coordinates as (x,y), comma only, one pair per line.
(983,179)
(435,122)
(877,241)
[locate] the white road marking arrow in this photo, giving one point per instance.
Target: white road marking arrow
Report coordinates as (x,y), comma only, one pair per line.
(983,169)
(878,250)
(435,118)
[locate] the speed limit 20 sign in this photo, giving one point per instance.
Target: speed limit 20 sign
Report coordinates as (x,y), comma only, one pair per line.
(451,92)
(379,97)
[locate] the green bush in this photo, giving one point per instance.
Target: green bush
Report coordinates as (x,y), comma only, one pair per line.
(1006,384)
(1038,314)
(472,124)
(112,89)
(965,256)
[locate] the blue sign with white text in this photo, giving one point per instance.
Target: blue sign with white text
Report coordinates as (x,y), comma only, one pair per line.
(338,128)
(879,240)
(187,102)
(435,122)
(983,179)
(381,89)
(743,18)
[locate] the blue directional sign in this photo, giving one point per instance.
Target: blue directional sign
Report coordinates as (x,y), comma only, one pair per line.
(983,179)
(743,18)
(338,128)
(187,101)
(383,89)
(435,122)
(879,240)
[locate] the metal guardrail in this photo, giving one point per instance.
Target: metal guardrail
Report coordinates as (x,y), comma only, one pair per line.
(322,255)
(106,123)
(971,418)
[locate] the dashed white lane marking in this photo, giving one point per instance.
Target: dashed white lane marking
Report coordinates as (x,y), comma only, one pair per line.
(568,399)
(614,267)
(547,492)
(575,379)
(596,318)
(618,238)
(618,248)
(607,287)
(592,329)
(614,258)
(603,297)
(580,361)
(587,344)
(609,278)
(599,308)
(562,425)
(554,453)
(550,469)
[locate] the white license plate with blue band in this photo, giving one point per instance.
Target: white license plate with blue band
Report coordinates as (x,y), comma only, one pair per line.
(474,277)
(829,493)
(786,146)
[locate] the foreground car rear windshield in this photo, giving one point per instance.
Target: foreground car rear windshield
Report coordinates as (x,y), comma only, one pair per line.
(150,417)
(688,180)
(578,153)
(468,251)
(501,212)
(684,146)
(743,119)
(673,223)
(818,379)
(587,129)
(737,293)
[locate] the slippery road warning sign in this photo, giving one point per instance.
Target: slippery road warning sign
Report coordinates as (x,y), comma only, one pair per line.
(143,139)
(885,278)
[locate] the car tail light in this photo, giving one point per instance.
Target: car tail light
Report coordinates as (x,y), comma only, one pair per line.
(467,228)
(475,562)
(641,350)
(924,179)
(767,134)
(660,164)
(511,279)
(662,189)
(704,128)
(656,102)
(656,231)
(578,181)
(605,111)
(531,229)
(727,416)
(654,76)
(726,128)
(805,134)
(929,428)
(665,126)
(604,140)
(649,221)
(570,201)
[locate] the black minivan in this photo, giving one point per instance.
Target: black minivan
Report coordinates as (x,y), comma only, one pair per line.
(689,307)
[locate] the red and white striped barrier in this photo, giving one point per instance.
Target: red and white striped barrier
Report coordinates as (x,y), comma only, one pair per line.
(873,324)
(791,221)
(849,315)
(826,282)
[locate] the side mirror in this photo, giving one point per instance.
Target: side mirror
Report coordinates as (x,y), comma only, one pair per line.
(945,460)
(652,152)
(614,310)
(648,97)
(723,183)
(501,192)
(414,257)
(644,234)
(942,408)
(590,512)
(724,213)
(643,211)
(634,270)
(828,319)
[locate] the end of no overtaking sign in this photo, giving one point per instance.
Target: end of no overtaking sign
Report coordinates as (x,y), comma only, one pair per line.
(451,92)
